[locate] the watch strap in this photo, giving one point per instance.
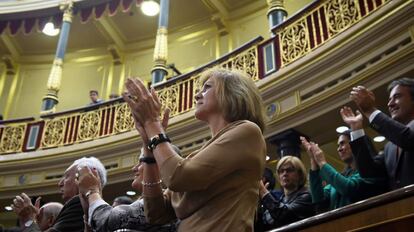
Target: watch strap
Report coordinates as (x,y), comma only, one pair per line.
(147,160)
(157,139)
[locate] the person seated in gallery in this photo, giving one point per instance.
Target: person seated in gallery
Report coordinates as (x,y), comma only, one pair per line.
(295,203)
(94,96)
(71,217)
(122,200)
(342,188)
(215,188)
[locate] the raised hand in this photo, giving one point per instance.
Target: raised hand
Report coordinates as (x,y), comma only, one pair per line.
(23,207)
(263,188)
(318,154)
(354,120)
(307,146)
(135,89)
(314,151)
(88,180)
(145,105)
(364,99)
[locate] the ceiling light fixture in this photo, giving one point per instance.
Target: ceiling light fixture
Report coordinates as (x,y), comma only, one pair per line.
(150,8)
(342,129)
(131,193)
(379,139)
(50,29)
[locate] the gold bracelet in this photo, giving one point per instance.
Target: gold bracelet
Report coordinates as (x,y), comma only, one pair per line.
(151,184)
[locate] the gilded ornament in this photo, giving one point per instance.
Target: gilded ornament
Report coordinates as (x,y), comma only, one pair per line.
(53,132)
(123,119)
(12,139)
(161,46)
(341,14)
(89,125)
(294,42)
(55,77)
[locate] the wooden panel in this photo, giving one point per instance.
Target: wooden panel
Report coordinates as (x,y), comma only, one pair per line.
(392,211)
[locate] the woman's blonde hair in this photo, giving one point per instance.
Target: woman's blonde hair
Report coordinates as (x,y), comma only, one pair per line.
(297,164)
(237,94)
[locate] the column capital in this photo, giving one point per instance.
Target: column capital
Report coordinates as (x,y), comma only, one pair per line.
(67,8)
(275,5)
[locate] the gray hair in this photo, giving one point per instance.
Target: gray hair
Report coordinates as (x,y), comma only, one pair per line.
(92,162)
(52,209)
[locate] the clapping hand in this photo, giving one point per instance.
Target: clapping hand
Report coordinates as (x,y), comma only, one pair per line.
(23,207)
(144,104)
(88,180)
(263,188)
(354,120)
(364,99)
(315,153)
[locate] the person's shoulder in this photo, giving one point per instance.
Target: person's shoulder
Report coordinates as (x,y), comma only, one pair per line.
(304,191)
(247,125)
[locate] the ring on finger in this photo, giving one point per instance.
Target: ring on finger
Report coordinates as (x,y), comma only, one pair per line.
(134,98)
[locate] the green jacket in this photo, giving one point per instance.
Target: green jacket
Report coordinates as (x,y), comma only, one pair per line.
(341,189)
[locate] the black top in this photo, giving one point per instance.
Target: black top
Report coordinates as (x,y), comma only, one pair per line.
(287,209)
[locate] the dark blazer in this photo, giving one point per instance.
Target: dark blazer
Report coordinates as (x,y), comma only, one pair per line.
(297,206)
(70,218)
(399,171)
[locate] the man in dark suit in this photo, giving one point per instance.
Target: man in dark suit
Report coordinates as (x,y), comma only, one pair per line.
(397,161)
(71,217)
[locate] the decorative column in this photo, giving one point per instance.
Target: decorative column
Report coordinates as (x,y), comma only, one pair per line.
(55,76)
(288,143)
(159,71)
(276,13)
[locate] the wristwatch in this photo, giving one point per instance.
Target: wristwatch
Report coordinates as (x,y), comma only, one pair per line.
(157,139)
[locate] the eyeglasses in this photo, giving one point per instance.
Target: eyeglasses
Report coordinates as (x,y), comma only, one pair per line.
(287,170)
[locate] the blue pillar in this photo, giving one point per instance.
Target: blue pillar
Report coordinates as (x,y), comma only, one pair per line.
(50,100)
(159,71)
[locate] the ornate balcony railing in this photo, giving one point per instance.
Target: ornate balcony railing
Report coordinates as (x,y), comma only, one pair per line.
(178,93)
(73,127)
(306,31)
(295,38)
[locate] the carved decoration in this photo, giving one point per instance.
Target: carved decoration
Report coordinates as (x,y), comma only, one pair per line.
(89,125)
(12,139)
(123,118)
(341,14)
(294,42)
(54,132)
